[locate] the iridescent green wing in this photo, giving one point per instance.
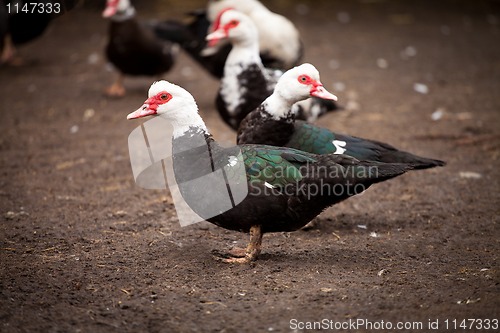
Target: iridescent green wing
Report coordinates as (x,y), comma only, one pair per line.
(275,165)
(313,139)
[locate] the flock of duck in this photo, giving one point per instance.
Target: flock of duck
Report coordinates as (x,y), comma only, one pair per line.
(293,169)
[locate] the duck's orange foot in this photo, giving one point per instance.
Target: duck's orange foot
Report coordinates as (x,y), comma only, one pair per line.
(116,90)
(244,256)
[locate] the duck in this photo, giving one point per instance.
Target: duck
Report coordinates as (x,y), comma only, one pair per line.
(280,46)
(246,82)
(133,48)
(284,187)
(279,39)
(191,38)
(274,123)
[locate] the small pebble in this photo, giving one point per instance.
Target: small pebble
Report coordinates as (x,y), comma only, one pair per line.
(382,63)
(352,105)
(93,58)
(187,71)
(410,51)
(334,64)
(464,116)
(74,129)
(338,86)
(421,88)
(381,272)
(470,175)
(120,213)
(438,114)
(88,113)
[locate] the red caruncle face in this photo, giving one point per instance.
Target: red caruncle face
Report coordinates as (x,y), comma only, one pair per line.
(158,99)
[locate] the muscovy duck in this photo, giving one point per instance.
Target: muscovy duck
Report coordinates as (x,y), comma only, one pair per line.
(286,187)
(23,21)
(279,39)
(273,123)
(279,43)
(191,38)
(133,48)
(246,82)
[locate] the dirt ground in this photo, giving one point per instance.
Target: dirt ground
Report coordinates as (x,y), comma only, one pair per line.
(83,249)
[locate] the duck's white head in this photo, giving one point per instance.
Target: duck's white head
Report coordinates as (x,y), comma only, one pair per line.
(302,82)
(214,7)
(235,26)
(173,103)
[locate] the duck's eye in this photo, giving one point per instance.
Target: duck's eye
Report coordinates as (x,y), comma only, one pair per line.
(303,79)
(163,97)
(233,23)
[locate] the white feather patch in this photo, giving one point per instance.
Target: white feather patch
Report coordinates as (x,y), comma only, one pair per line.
(269,185)
(338,146)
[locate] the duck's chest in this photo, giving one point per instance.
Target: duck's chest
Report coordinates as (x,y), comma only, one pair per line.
(243,87)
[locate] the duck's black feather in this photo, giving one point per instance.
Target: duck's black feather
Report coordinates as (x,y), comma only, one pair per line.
(134,49)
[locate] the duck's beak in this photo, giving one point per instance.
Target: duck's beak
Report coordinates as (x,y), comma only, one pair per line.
(111,8)
(143,111)
(213,38)
(320,92)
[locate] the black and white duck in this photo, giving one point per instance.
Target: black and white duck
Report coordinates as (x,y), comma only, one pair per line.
(280,46)
(279,40)
(246,82)
(286,187)
(273,123)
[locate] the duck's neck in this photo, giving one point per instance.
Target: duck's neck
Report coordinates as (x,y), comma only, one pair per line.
(189,124)
(244,57)
(243,54)
(278,107)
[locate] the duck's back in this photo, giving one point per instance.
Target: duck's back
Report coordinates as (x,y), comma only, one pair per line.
(134,49)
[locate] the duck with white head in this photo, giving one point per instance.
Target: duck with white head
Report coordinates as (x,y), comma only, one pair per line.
(286,187)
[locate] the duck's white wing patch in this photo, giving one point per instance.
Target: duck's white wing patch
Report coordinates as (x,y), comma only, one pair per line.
(269,185)
(339,144)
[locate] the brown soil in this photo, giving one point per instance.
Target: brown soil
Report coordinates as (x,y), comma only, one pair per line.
(83,249)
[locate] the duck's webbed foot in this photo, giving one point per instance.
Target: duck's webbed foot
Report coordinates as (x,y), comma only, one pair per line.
(117,89)
(243,256)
